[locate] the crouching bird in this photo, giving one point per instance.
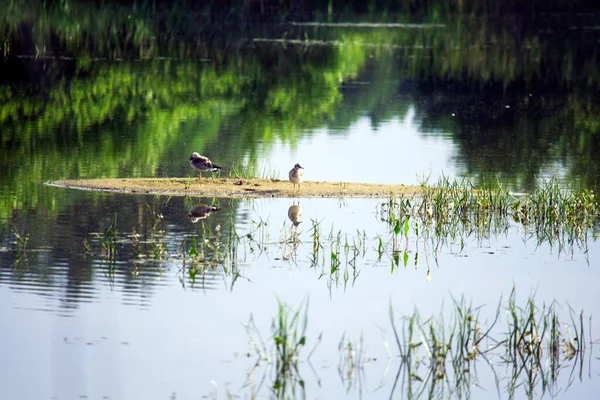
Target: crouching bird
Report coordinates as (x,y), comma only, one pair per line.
(202,164)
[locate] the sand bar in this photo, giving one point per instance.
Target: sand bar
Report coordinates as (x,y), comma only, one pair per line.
(234,187)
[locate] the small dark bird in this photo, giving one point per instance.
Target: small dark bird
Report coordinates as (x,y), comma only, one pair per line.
(202,164)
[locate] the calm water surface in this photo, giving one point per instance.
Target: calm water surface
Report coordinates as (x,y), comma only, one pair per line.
(99,332)
(363,105)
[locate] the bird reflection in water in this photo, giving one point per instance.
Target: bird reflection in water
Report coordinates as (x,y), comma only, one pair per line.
(295,215)
(201,211)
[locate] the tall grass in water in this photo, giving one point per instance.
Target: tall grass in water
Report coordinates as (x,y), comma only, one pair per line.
(21,241)
(109,240)
(529,343)
(523,345)
(450,212)
(560,216)
(288,336)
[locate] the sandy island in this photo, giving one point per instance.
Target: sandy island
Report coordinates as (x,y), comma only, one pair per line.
(234,187)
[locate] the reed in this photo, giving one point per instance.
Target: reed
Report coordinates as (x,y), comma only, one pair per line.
(451,212)
(21,240)
(288,339)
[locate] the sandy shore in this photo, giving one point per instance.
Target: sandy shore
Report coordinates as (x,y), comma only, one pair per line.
(233,187)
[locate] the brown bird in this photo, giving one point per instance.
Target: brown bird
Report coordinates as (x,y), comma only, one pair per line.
(201,211)
(201,164)
(296,176)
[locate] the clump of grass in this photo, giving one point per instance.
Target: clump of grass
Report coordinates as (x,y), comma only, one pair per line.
(109,240)
(86,247)
(315,234)
(211,249)
(351,364)
(452,211)
(153,234)
(289,242)
(557,215)
(441,354)
(337,254)
(288,336)
(21,242)
(258,238)
(250,170)
(196,256)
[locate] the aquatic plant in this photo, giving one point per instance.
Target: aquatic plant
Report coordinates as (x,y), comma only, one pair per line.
(451,211)
(557,215)
(440,354)
(21,242)
(87,248)
(109,240)
(351,363)
(288,336)
(315,234)
(524,346)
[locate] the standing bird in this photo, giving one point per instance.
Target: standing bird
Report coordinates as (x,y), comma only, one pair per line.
(201,164)
(296,176)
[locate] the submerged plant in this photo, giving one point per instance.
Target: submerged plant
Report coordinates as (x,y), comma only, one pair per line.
(21,241)
(351,364)
(450,212)
(440,354)
(288,335)
(109,240)
(557,215)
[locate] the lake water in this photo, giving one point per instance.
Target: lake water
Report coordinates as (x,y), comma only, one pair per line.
(189,309)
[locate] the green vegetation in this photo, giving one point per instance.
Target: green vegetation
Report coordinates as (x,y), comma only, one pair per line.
(251,169)
(531,345)
(526,348)
(288,337)
(109,240)
(451,211)
(65,115)
(415,232)
(21,243)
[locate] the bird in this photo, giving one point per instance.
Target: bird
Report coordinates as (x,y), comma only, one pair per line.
(295,214)
(201,164)
(201,211)
(296,176)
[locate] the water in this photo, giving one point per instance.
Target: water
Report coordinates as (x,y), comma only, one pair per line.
(391,104)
